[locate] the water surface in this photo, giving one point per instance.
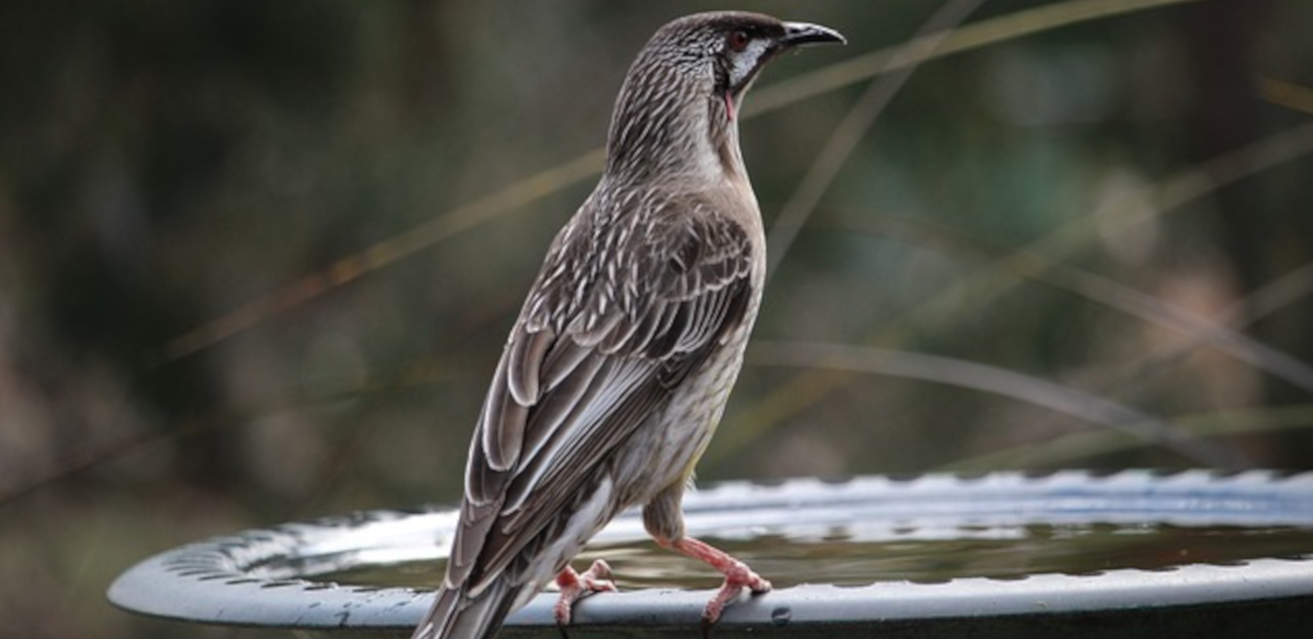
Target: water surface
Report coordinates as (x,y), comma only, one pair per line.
(854,556)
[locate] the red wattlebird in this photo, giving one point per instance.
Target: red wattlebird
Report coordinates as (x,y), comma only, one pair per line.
(619,365)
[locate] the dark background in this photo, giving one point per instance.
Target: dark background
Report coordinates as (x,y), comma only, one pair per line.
(164,165)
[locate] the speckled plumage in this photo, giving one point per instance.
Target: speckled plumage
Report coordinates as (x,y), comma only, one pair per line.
(621,360)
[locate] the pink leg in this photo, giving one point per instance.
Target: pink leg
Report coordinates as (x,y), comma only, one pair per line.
(575,586)
(738,574)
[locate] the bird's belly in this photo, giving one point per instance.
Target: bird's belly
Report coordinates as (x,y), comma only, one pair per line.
(675,437)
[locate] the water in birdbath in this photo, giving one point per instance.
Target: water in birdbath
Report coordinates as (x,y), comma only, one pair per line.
(858,556)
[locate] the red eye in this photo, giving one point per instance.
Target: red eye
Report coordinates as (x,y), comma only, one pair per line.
(737,40)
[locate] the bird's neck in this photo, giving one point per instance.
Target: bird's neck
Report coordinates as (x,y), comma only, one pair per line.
(673,135)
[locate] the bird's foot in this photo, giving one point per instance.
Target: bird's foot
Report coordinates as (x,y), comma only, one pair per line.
(575,586)
(738,574)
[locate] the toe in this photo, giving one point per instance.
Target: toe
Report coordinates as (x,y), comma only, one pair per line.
(600,569)
(598,578)
(562,612)
(600,585)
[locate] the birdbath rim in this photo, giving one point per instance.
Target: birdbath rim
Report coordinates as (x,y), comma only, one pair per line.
(244,579)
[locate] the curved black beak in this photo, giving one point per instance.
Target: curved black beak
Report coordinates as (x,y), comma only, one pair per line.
(798,33)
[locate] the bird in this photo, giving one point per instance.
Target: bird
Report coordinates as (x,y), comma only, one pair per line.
(618,367)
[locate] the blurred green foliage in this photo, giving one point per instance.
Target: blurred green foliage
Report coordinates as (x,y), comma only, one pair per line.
(163,164)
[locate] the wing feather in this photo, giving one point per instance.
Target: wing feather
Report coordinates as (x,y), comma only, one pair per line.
(503,420)
(561,361)
(556,407)
(599,347)
(527,353)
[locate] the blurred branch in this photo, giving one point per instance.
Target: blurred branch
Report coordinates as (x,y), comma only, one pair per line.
(1285,94)
(523,192)
(987,283)
(1272,297)
(1199,329)
(81,461)
(991,379)
(1109,293)
(1076,446)
(971,36)
(386,252)
(855,125)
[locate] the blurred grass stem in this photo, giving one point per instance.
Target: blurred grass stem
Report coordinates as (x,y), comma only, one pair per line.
(587,165)
(894,72)
(1077,446)
(991,281)
(992,379)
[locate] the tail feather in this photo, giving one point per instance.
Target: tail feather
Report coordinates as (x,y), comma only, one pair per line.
(457,615)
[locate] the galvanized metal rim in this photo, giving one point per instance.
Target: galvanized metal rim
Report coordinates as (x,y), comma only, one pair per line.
(228,580)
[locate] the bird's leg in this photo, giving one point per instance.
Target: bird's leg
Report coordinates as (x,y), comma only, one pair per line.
(575,586)
(738,574)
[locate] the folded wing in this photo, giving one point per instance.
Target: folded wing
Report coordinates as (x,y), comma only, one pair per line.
(618,317)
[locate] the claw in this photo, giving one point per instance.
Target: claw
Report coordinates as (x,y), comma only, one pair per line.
(738,576)
(575,586)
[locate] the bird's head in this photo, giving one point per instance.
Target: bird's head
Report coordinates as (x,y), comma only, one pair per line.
(691,77)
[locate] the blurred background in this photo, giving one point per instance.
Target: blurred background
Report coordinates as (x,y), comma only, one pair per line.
(257,260)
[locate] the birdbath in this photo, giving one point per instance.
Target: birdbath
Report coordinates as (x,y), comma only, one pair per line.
(1004,554)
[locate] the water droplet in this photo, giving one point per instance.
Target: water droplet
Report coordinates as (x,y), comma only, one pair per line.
(781,616)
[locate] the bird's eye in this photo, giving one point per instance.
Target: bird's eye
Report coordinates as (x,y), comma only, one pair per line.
(737,40)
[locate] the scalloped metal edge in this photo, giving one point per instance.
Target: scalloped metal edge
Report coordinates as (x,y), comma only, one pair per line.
(219,580)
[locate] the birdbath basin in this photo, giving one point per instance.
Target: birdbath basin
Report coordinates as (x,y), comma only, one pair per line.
(1003,554)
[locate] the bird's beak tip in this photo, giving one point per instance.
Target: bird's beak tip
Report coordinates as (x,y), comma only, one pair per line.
(801,33)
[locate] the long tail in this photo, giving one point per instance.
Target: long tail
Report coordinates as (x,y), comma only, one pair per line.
(457,615)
